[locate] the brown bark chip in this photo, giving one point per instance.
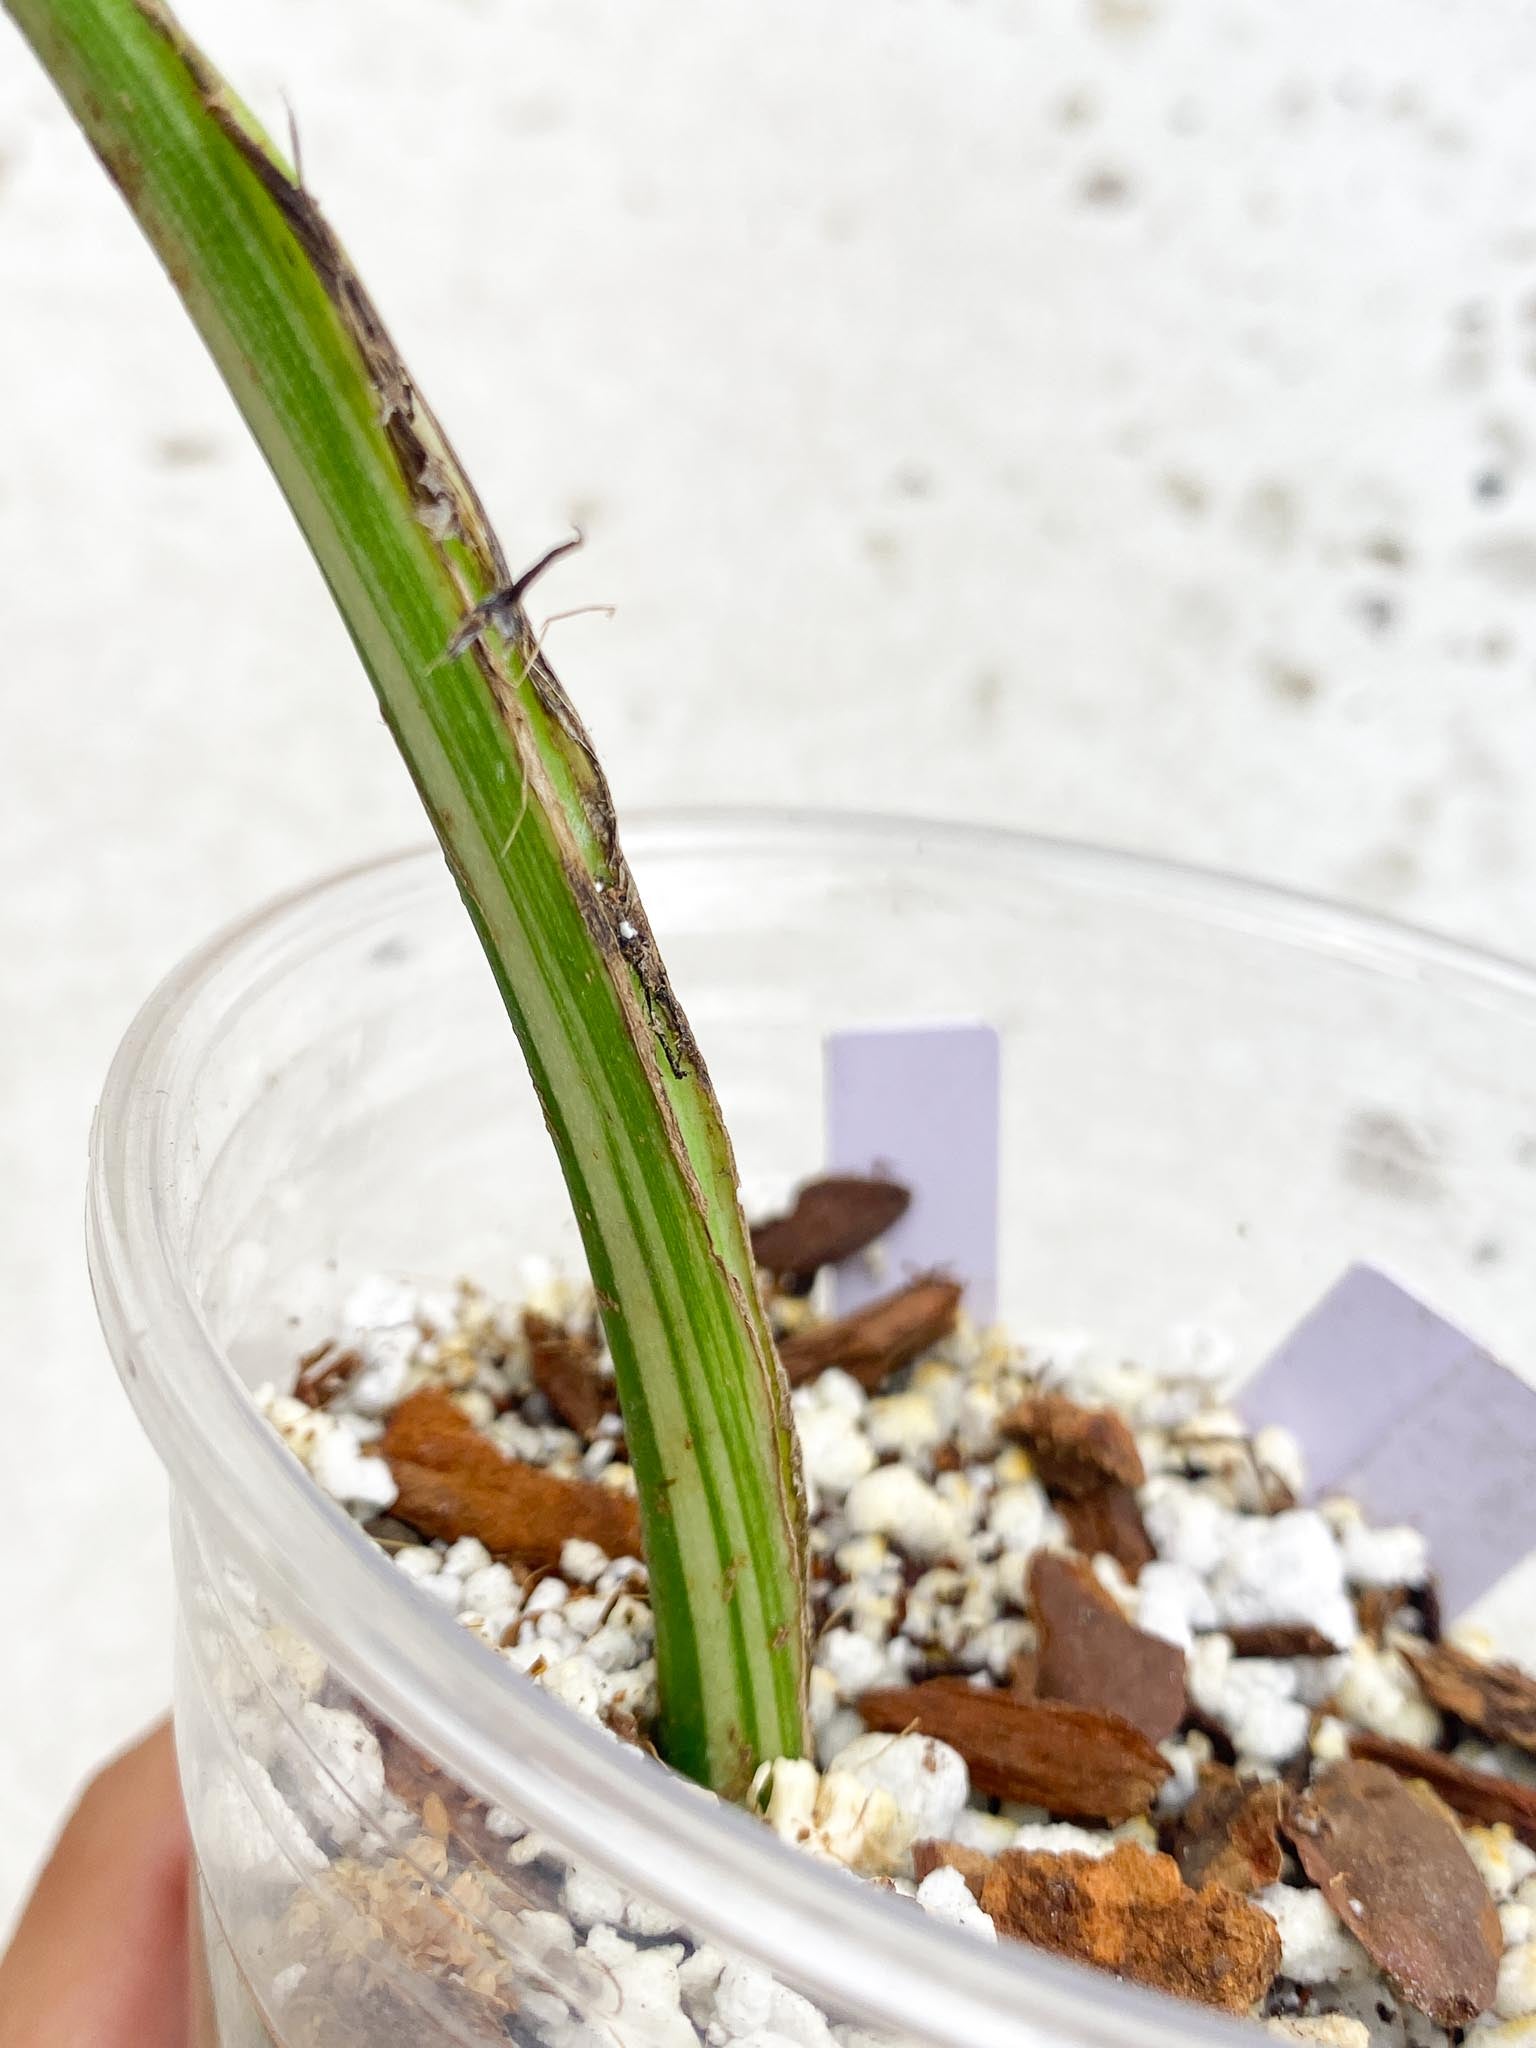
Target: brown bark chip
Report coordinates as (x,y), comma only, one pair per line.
(1073,1761)
(323,1373)
(875,1340)
(1109,1520)
(1230,1833)
(1498,1700)
(1089,1655)
(1281,1639)
(1477,1796)
(832,1219)
(454,1482)
(1222,1746)
(1426,1600)
(1130,1912)
(564,1367)
(1024,1674)
(1390,1861)
(1376,1606)
(1076,1450)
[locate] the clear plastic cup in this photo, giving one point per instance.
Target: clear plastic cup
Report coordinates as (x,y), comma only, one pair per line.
(1216,1097)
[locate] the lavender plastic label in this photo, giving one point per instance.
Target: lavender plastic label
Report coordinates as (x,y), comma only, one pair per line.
(1399,1408)
(922,1104)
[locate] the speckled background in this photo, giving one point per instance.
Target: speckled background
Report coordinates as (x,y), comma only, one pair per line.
(1114,418)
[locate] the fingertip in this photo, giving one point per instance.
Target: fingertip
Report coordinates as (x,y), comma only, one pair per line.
(101,1951)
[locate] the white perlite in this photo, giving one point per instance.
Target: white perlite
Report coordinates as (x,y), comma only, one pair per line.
(1188,1527)
(1173,1601)
(331,1450)
(732,2001)
(1254,1699)
(1378,1691)
(1327,2029)
(945,1895)
(1516,1997)
(251,1831)
(1504,1860)
(1284,1568)
(1316,1946)
(895,1501)
(341,1768)
(927,1779)
(834,1453)
(1382,1557)
(1519,2033)
(837,1817)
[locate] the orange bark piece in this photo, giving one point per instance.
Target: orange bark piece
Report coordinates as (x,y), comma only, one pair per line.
(454,1482)
(1130,1912)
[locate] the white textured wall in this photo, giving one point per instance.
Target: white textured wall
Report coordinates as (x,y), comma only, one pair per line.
(1111,418)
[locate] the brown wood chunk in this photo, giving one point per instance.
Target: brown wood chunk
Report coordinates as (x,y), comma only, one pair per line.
(1376,1606)
(1426,1600)
(454,1482)
(564,1367)
(877,1339)
(832,1219)
(1230,1832)
(1197,1722)
(1089,1655)
(1130,1912)
(973,1864)
(1024,1674)
(1281,1639)
(1477,1796)
(1076,1450)
(1109,1521)
(1498,1700)
(1075,1761)
(1390,1861)
(323,1373)
(620,1722)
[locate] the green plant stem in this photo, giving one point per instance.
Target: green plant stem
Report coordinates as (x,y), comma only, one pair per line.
(522,809)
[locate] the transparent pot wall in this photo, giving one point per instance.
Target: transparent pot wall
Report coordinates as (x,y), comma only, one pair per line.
(1214,1100)
(1211,1101)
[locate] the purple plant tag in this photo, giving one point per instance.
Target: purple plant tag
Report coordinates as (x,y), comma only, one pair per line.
(1399,1408)
(921,1103)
